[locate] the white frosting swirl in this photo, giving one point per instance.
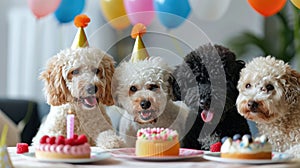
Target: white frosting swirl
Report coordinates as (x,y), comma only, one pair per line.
(260,144)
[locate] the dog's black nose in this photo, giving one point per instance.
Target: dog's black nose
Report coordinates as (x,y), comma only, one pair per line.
(91,89)
(204,104)
(145,104)
(252,105)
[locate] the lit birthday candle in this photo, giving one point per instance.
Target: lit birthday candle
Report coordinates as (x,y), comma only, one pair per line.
(70,124)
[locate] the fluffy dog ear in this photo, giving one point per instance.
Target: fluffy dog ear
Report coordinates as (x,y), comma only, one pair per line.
(295,77)
(235,72)
(108,65)
(55,86)
(292,91)
(174,89)
(115,93)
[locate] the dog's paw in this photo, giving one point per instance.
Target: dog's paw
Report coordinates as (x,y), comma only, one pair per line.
(109,140)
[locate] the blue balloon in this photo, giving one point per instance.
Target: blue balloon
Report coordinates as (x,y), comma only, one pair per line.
(172,13)
(68,9)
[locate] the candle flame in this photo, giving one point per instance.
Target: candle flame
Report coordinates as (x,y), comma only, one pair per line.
(70,111)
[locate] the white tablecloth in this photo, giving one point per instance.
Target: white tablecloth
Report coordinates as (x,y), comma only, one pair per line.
(21,162)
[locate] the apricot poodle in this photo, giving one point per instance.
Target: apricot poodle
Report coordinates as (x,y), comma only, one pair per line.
(80,80)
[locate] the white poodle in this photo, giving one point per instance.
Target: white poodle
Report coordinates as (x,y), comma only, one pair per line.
(144,90)
(80,80)
(269,94)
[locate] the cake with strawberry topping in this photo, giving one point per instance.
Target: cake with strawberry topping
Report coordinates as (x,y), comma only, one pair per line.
(157,142)
(59,147)
(246,148)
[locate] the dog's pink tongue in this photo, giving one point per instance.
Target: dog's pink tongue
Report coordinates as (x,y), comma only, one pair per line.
(207,115)
(146,114)
(92,101)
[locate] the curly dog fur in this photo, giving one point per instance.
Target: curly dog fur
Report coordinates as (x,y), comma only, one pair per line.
(80,80)
(269,94)
(194,87)
(144,91)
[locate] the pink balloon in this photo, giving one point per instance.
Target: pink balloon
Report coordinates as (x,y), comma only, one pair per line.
(41,8)
(139,11)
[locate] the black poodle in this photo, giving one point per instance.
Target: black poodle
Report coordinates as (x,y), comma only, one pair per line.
(206,82)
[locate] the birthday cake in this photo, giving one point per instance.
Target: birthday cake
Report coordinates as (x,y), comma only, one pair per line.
(63,148)
(245,148)
(157,142)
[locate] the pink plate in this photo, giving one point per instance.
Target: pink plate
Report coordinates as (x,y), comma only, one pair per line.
(183,154)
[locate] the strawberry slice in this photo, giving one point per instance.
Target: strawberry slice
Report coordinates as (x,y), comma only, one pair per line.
(22,148)
(82,139)
(60,140)
(44,138)
(70,141)
(216,147)
(51,140)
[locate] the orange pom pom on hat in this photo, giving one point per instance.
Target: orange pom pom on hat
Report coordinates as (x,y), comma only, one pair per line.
(139,51)
(80,40)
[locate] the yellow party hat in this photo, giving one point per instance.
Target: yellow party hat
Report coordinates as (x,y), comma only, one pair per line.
(139,51)
(4,156)
(80,40)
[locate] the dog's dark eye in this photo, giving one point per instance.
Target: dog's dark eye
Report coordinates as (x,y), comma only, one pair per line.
(248,85)
(75,72)
(153,87)
(269,87)
(96,71)
(133,89)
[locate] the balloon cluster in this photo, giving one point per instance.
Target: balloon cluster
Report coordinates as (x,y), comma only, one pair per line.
(64,10)
(171,13)
(121,13)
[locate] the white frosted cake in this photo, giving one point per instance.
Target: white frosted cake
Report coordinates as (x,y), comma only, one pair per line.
(246,148)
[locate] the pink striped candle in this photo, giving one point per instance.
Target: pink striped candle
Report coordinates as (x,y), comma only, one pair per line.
(70,124)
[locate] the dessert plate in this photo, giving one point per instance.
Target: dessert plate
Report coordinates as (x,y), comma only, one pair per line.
(95,156)
(130,154)
(211,153)
(276,158)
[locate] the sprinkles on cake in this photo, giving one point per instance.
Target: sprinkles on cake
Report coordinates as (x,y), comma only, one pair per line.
(165,134)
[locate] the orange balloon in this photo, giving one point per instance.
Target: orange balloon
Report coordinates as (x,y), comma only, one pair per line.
(115,13)
(267,7)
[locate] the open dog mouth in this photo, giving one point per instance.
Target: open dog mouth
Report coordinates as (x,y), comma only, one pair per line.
(89,102)
(146,114)
(207,115)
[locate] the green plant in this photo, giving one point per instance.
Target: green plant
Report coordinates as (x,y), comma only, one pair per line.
(281,37)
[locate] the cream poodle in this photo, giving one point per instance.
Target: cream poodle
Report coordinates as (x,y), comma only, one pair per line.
(80,80)
(269,94)
(144,91)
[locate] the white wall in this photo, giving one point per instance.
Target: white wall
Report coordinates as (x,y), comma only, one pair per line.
(3,46)
(238,18)
(4,9)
